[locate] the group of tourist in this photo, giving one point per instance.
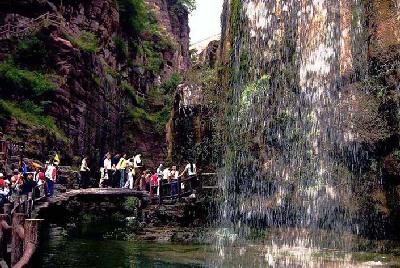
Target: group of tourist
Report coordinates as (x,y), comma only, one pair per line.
(26,178)
(118,171)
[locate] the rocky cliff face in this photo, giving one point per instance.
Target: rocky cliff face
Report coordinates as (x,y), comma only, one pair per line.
(104,76)
(313,86)
(190,129)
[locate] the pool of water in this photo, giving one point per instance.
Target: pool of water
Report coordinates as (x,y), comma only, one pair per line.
(85,252)
(64,251)
(62,248)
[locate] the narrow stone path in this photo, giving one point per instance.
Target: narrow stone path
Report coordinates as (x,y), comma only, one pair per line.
(63,197)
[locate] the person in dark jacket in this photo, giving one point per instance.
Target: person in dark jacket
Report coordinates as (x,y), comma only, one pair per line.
(28,185)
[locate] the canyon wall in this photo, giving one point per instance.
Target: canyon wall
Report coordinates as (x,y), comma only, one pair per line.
(191,130)
(106,75)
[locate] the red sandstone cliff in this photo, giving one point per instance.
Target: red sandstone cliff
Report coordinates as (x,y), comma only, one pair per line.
(90,101)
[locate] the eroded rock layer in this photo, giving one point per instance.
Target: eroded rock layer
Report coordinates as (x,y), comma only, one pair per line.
(104,73)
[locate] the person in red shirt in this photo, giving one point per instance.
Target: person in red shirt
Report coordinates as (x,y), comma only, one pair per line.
(41,176)
(153,184)
(2,182)
(40,179)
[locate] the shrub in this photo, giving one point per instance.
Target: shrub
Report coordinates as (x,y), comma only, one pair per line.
(128,89)
(30,107)
(139,115)
(161,41)
(131,92)
(121,47)
(112,72)
(31,115)
(172,83)
(140,101)
(30,51)
(131,203)
(161,119)
(86,41)
(133,16)
(181,6)
(155,63)
(24,81)
(154,60)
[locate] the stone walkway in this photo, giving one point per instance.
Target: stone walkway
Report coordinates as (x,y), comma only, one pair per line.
(63,197)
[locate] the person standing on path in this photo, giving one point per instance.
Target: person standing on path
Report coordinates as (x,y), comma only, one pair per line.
(131,180)
(84,183)
(191,171)
(115,175)
(51,177)
(137,166)
(173,179)
(28,185)
(160,174)
(121,166)
(4,190)
(108,171)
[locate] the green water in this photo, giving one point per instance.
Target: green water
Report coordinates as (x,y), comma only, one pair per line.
(60,248)
(88,252)
(78,252)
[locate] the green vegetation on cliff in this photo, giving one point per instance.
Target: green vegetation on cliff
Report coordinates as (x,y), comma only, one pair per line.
(122,48)
(182,6)
(31,115)
(153,57)
(31,51)
(162,95)
(23,82)
(25,87)
(133,16)
(86,41)
(145,38)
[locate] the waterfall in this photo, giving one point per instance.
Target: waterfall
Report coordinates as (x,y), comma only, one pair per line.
(290,162)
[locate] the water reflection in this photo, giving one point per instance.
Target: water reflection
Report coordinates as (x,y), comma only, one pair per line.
(85,252)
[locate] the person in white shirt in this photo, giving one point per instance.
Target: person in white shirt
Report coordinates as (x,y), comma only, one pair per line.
(108,169)
(173,179)
(4,193)
(160,170)
(130,183)
(51,177)
(4,190)
(166,174)
(84,173)
(131,179)
(191,171)
(137,161)
(160,174)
